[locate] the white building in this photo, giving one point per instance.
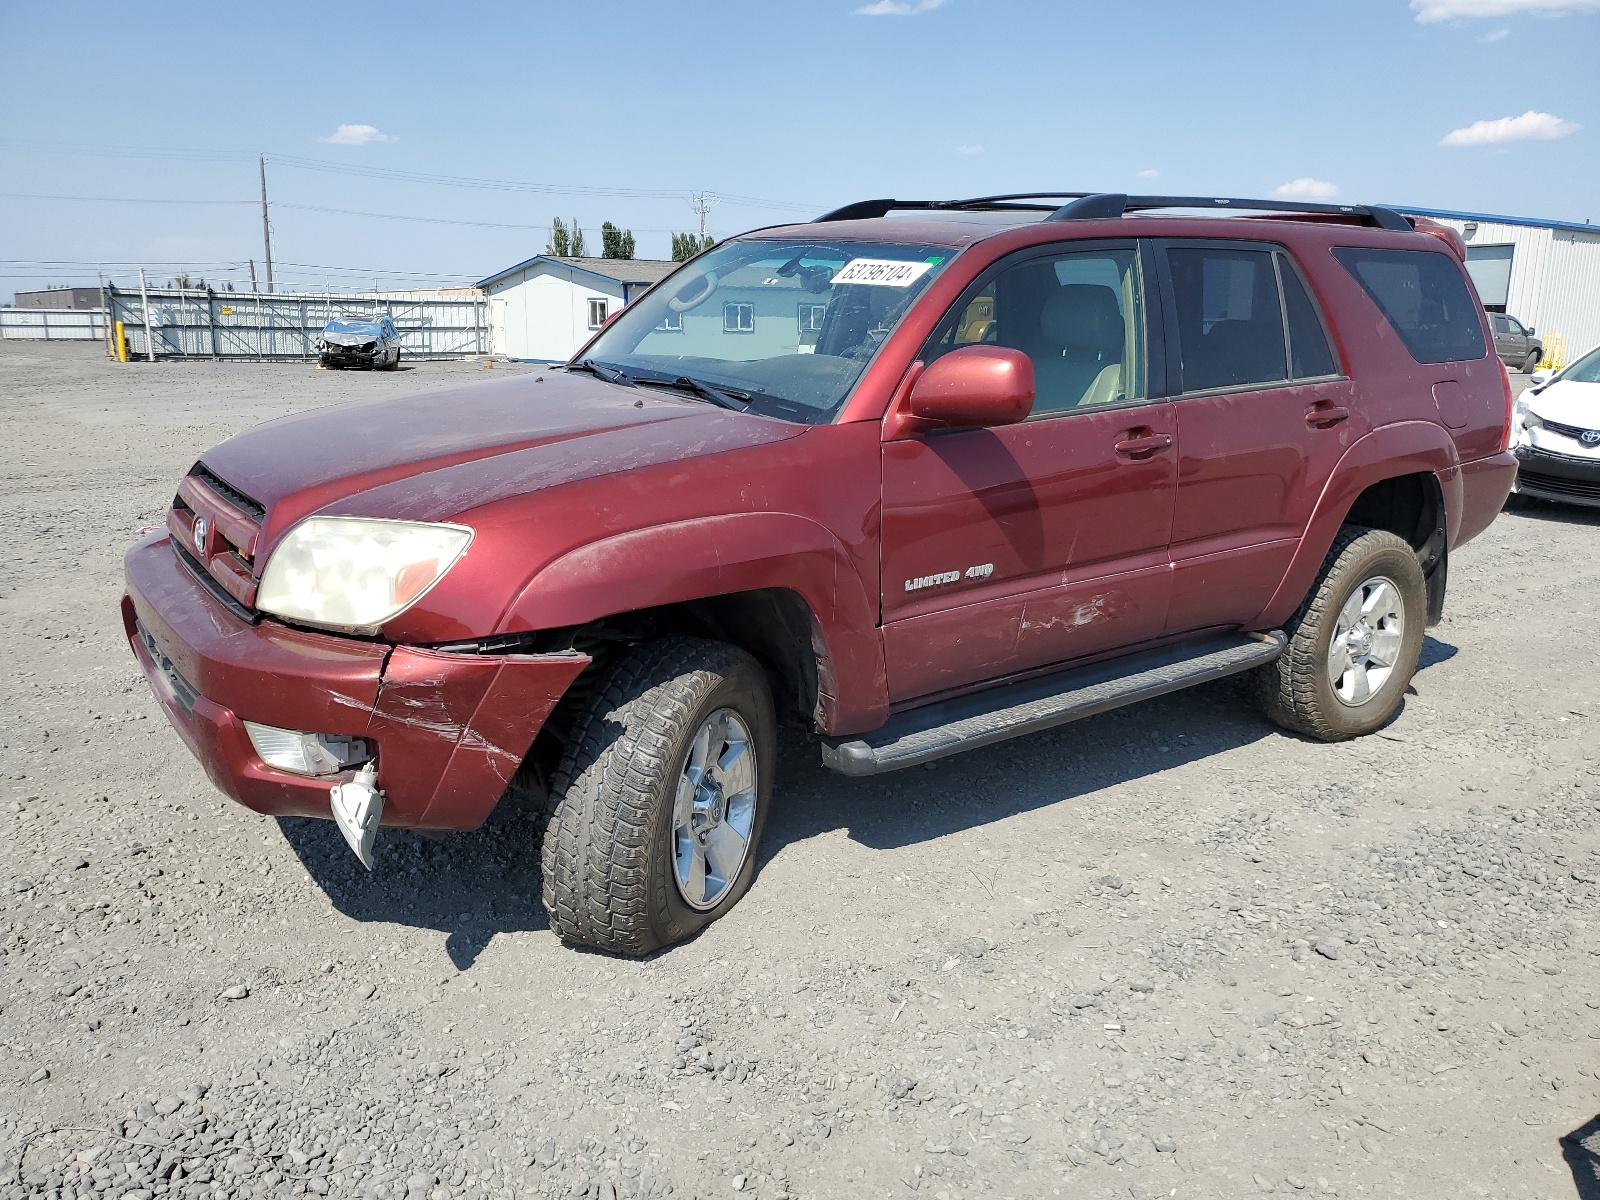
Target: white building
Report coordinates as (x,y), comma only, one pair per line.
(1544,273)
(547,307)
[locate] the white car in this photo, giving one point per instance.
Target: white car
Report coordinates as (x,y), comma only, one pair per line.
(1555,434)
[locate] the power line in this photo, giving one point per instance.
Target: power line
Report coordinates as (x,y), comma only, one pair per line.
(428,177)
(316,208)
(113,199)
(353,212)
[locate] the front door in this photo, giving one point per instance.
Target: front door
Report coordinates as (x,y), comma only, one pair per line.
(1264,414)
(1504,343)
(1014,548)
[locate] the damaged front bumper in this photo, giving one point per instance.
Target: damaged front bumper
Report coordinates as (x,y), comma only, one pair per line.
(447,730)
(341,356)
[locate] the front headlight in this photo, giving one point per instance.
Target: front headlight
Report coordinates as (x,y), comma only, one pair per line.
(355,573)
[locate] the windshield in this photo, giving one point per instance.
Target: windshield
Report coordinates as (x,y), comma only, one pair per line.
(371,328)
(785,326)
(1585,370)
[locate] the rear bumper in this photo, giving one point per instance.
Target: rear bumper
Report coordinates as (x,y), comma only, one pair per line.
(449,729)
(1485,484)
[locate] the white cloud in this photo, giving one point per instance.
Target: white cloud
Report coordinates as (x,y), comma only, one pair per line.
(898,8)
(972,149)
(1449,10)
(1152,173)
(356,135)
(1495,35)
(1531,126)
(1306,188)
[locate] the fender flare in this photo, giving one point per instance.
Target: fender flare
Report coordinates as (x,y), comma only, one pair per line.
(1387,452)
(706,557)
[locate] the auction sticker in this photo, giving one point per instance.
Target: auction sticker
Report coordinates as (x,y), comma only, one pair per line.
(881,272)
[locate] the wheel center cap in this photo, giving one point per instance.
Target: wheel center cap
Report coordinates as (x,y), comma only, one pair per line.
(1360,640)
(710,806)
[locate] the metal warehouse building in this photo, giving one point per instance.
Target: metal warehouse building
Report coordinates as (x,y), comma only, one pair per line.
(1544,273)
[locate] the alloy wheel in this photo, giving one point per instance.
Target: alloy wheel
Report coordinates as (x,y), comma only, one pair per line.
(714,810)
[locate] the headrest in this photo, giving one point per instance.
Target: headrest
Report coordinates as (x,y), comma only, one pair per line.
(1084,317)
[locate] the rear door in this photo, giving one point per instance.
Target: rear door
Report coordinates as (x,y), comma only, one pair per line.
(1014,548)
(1264,413)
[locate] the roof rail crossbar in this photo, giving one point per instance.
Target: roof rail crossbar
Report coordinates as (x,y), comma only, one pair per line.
(1113,204)
(863,210)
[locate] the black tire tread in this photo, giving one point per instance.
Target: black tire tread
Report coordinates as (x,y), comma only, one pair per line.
(1287,689)
(597,843)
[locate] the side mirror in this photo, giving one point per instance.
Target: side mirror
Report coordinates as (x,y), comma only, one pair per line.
(1529,330)
(1540,378)
(975,386)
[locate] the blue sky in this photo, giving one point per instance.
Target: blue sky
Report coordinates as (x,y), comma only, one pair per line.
(777,109)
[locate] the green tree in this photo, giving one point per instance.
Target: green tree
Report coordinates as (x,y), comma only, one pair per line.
(579,250)
(614,242)
(560,243)
(686,245)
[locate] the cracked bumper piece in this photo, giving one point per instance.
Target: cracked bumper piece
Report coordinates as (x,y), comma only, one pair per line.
(448,729)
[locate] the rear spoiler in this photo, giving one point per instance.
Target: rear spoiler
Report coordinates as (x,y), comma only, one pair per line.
(1445,234)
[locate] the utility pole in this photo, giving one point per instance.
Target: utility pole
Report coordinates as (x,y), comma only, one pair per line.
(149,325)
(702,204)
(253,275)
(266,228)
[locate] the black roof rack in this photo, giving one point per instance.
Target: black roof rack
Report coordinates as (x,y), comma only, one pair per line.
(1093,206)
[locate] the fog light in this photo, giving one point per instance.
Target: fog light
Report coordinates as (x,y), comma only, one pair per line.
(307,753)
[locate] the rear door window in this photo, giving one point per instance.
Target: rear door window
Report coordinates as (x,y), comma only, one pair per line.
(1229,317)
(1424,297)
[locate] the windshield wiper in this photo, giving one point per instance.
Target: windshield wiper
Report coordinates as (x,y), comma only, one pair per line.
(722,397)
(603,373)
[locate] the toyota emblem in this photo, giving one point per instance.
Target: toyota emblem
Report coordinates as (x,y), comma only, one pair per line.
(201,531)
(1591,437)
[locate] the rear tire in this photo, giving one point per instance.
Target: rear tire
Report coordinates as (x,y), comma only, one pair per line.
(1354,643)
(633,814)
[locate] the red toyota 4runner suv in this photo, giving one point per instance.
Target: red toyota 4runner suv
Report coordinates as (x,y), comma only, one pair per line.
(919,476)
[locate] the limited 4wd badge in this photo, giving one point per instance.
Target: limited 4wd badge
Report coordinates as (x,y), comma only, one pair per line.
(982,571)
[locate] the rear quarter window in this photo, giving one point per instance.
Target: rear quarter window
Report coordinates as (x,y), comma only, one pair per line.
(1424,297)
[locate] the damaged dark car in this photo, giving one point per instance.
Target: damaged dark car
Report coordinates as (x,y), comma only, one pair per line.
(368,344)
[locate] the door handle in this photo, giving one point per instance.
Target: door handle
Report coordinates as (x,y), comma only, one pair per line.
(1142,443)
(1325,414)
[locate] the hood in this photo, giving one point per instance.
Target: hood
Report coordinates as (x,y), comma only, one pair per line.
(436,454)
(1568,402)
(352,339)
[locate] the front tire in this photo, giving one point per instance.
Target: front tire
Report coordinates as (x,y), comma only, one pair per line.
(1531,363)
(660,798)
(1354,644)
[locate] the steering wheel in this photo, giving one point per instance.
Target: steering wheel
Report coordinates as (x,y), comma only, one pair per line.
(683,303)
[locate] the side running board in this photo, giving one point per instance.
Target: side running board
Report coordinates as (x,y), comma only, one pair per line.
(921,735)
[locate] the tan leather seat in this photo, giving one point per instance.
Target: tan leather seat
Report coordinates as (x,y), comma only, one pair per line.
(1085,321)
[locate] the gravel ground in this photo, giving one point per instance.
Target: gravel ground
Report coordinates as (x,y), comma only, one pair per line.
(1166,952)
